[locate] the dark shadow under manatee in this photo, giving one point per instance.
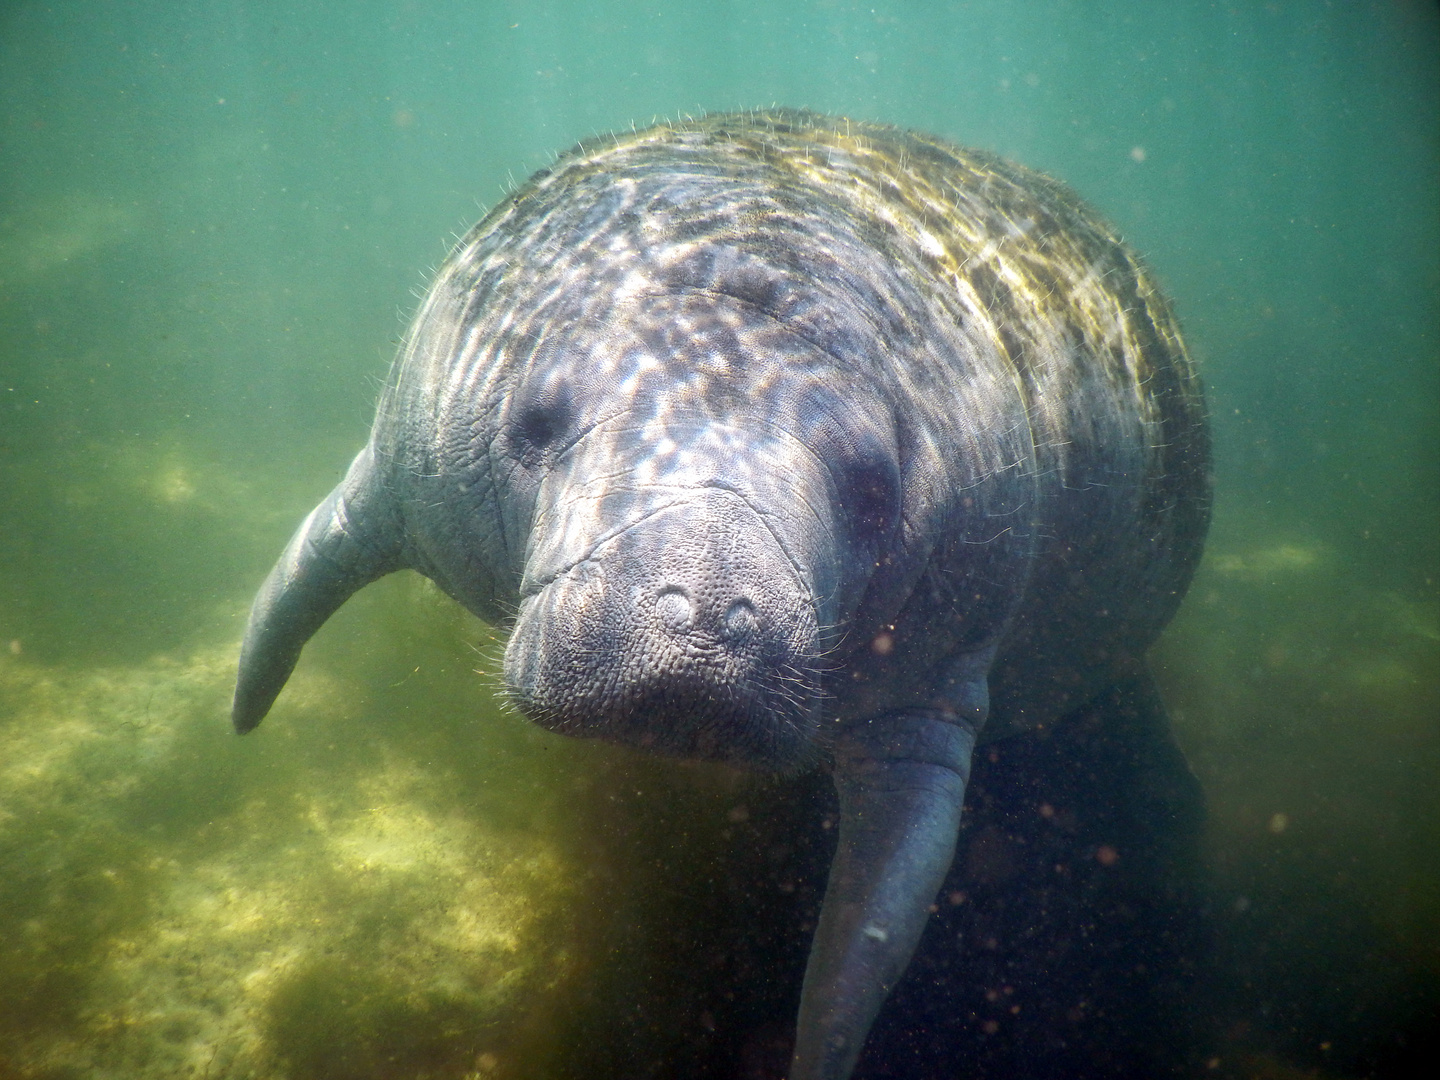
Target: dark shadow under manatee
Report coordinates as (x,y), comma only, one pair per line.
(1070,935)
(1066,945)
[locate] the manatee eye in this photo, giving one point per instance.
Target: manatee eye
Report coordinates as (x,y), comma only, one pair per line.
(869,491)
(538,424)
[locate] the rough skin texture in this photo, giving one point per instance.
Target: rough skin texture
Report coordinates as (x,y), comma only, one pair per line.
(1040,390)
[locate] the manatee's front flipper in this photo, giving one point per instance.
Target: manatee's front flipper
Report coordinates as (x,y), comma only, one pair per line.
(901,781)
(348,541)
(1104,955)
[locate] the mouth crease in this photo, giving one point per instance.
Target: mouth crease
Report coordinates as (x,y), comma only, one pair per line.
(539,585)
(590,553)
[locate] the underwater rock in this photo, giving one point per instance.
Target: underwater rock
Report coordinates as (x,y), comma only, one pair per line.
(166,912)
(49,235)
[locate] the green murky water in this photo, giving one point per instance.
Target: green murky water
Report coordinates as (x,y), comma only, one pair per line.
(213,223)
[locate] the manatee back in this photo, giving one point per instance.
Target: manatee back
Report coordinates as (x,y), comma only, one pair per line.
(1041,300)
(1118,424)
(1043,289)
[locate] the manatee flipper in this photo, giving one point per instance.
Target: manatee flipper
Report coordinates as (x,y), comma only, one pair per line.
(1127,936)
(348,541)
(901,783)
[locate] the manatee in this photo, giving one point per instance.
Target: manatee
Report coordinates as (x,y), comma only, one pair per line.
(789,442)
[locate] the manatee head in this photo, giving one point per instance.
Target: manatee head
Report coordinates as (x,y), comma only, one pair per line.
(702,502)
(657,441)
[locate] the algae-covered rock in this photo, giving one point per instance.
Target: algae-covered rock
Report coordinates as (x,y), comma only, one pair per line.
(1305,697)
(49,234)
(175,904)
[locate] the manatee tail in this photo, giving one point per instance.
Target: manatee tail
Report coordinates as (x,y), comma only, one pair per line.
(348,541)
(901,781)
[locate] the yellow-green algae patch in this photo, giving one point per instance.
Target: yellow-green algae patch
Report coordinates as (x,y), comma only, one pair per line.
(53,233)
(1306,702)
(180,902)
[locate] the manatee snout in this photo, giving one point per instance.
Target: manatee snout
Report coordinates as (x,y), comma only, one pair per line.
(691,633)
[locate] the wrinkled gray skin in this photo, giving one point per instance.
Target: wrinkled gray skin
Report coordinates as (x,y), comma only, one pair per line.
(784,441)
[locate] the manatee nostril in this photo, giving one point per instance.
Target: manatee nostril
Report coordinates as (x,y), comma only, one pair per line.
(740,621)
(674,610)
